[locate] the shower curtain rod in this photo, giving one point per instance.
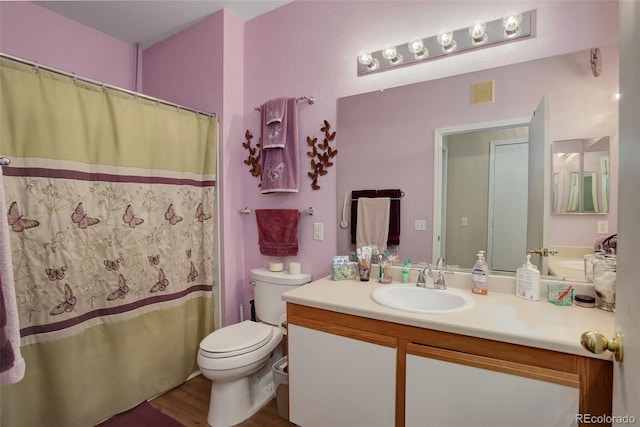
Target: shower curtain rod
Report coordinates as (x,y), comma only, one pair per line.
(101,84)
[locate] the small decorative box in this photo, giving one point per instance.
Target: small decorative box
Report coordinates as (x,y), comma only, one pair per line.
(560,294)
(343,269)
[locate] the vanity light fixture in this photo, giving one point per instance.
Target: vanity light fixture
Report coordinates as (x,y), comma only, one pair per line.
(480,34)
(416,46)
(511,23)
(446,40)
(365,58)
(391,54)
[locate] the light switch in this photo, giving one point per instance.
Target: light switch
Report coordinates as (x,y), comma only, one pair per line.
(465,221)
(318,233)
(420,225)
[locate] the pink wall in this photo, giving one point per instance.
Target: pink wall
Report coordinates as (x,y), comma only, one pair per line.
(310,48)
(36,34)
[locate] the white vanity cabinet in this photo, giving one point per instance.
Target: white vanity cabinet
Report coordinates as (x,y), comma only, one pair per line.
(347,370)
(336,380)
(446,388)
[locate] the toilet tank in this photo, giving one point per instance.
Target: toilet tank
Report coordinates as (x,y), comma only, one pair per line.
(268,290)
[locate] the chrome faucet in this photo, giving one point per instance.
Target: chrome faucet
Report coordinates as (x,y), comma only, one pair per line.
(439,282)
(422,279)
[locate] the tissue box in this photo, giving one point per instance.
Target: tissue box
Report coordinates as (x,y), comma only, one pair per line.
(560,294)
(343,269)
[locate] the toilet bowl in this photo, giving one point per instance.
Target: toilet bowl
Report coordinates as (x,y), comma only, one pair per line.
(238,358)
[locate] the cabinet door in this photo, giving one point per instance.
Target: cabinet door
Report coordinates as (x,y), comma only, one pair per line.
(442,393)
(339,382)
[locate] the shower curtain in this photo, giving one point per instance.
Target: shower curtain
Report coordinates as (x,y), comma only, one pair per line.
(110,207)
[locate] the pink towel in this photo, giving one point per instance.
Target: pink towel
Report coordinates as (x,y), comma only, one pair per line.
(274,124)
(281,166)
(278,231)
(12,364)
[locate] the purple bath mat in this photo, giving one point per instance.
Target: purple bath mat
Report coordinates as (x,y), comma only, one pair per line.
(143,415)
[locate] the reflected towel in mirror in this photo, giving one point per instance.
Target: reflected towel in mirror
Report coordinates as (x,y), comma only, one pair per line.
(373,222)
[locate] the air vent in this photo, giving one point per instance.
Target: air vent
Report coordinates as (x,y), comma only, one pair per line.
(482,92)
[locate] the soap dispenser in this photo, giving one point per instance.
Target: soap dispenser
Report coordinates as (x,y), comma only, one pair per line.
(528,281)
(479,275)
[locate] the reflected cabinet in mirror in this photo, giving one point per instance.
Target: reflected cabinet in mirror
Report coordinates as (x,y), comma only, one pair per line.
(581,175)
(394,138)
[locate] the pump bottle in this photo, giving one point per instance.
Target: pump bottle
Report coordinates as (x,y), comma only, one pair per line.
(479,275)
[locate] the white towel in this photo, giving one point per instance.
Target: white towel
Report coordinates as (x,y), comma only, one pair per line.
(12,365)
(373,222)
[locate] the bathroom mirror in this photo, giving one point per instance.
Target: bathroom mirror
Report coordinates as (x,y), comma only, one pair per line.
(387,140)
(581,176)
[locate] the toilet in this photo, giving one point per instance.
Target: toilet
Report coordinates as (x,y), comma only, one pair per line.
(238,358)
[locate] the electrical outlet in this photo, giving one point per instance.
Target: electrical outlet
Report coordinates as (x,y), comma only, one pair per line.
(465,221)
(420,225)
(318,233)
(603,227)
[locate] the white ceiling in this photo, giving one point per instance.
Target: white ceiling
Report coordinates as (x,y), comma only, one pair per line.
(150,21)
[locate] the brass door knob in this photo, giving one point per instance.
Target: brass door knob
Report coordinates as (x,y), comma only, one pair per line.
(597,343)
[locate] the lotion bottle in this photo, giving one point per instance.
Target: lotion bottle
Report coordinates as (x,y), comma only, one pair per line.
(479,275)
(528,281)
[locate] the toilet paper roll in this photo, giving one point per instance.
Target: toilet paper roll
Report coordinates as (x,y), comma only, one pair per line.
(294,268)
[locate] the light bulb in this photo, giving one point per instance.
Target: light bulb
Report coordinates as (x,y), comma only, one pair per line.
(416,46)
(478,32)
(392,55)
(511,23)
(365,58)
(445,39)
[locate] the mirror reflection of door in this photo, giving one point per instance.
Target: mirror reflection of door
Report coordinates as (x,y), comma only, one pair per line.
(467,191)
(508,176)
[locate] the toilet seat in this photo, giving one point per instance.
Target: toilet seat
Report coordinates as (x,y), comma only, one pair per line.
(236,339)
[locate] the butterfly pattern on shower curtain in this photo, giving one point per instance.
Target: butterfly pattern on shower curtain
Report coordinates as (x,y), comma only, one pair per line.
(100,247)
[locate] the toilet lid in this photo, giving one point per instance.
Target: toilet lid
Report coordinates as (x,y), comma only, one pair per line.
(236,339)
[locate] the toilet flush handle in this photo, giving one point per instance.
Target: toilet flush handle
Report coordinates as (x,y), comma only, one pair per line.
(253,283)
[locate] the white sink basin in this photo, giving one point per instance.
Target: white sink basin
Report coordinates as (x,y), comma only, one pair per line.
(422,300)
(572,264)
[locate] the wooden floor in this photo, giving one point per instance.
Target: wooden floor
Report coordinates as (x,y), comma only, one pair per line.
(189,404)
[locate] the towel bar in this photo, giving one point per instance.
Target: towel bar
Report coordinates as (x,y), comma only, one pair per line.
(308,211)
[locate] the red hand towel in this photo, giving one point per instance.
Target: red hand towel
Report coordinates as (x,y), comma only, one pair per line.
(278,231)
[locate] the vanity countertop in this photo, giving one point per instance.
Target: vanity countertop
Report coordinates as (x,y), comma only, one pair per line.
(499,316)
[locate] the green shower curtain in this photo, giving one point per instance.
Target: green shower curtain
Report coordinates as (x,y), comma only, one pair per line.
(110,201)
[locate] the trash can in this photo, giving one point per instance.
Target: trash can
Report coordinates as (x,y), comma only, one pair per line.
(281,386)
